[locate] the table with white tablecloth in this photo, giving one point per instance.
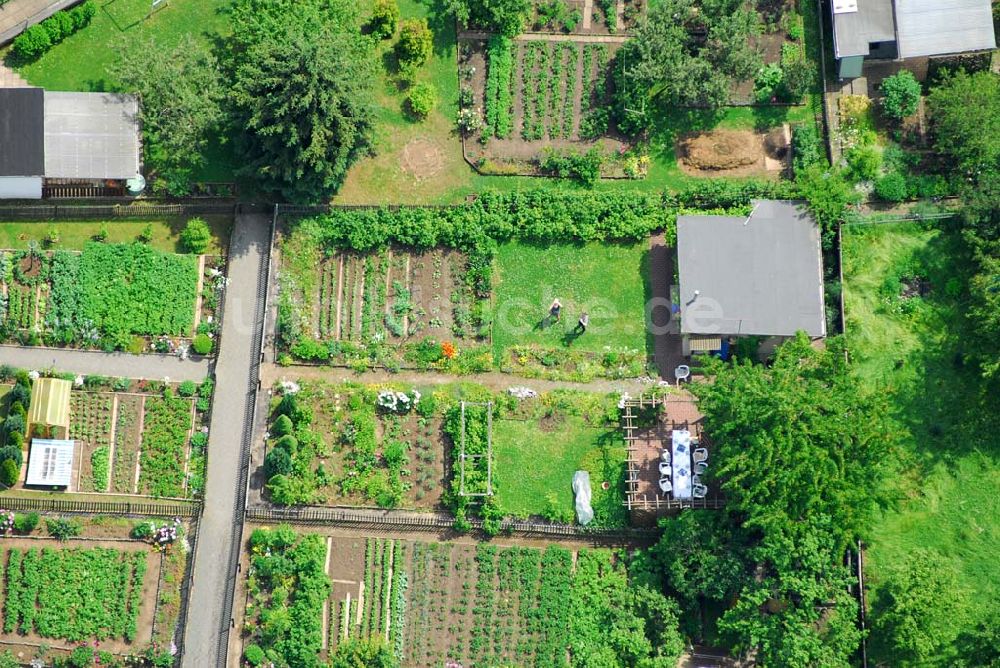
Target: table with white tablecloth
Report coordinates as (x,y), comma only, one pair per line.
(681,463)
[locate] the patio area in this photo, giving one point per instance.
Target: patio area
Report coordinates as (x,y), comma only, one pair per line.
(676,430)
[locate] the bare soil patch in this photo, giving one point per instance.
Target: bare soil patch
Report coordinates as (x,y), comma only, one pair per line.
(422,158)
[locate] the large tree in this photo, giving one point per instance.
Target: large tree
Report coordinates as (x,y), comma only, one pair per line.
(181,93)
(302,86)
(685,53)
(965,121)
(800,453)
(506,17)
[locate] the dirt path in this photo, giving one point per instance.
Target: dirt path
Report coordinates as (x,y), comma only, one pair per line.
(546,37)
(667,342)
(271,374)
(201,286)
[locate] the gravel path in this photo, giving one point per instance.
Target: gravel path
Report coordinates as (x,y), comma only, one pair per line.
(271,373)
(121,365)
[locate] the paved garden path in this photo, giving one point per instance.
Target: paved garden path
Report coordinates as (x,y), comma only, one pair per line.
(210,604)
(92,362)
(271,374)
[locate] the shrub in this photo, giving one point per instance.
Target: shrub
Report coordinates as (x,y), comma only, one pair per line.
(277,462)
(82,14)
(807,147)
(12,452)
(202,344)
(32,43)
(900,95)
(39,38)
(415,43)
(62,529)
(254,654)
(288,443)
(421,100)
(187,388)
(311,350)
(10,472)
(891,187)
(196,236)
(385,18)
(26,522)
(584,167)
(864,162)
(143,530)
(282,426)
(199,439)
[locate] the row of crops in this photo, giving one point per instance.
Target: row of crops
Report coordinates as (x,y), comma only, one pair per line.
(101,296)
(73,594)
(381,608)
(167,423)
(548,89)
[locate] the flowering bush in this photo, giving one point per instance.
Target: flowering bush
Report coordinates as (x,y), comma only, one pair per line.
(398,402)
(448,350)
(6,521)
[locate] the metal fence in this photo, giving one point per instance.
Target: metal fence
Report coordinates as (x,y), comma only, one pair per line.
(130,210)
(151,508)
(408,521)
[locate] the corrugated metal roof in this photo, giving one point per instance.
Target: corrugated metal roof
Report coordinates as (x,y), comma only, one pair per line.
(50,402)
(50,463)
(22,145)
(854,31)
(938,27)
(91,136)
(763,277)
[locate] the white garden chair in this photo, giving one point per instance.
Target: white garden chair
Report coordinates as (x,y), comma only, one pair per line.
(699,491)
(700,455)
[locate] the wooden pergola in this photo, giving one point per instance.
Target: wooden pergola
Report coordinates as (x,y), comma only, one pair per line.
(676,410)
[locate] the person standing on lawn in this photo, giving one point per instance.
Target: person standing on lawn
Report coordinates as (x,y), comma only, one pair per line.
(555,309)
(582,323)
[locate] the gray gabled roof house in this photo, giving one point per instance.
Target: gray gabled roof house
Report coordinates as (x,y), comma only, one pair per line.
(68,137)
(901,29)
(760,275)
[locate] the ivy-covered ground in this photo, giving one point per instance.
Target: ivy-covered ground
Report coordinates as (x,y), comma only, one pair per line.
(905,298)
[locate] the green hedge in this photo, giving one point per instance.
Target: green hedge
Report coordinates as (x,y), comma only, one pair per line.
(39,38)
(538,215)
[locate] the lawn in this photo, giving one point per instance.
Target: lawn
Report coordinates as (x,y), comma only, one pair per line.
(534,462)
(949,441)
(73,234)
(609,282)
(117,21)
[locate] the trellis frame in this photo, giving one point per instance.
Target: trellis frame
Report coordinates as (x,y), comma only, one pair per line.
(463,457)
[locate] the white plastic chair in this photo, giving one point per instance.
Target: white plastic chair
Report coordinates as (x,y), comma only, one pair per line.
(700,455)
(665,485)
(700,467)
(695,479)
(665,456)
(665,468)
(699,491)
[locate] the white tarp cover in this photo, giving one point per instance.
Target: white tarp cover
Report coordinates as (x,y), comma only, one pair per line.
(581,487)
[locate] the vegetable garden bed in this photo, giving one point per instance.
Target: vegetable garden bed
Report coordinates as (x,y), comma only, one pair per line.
(540,97)
(106,296)
(363,308)
(102,592)
(482,605)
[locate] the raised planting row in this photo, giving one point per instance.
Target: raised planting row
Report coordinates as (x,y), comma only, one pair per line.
(73,594)
(346,444)
(90,425)
(487,605)
(102,296)
(499,97)
(167,423)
